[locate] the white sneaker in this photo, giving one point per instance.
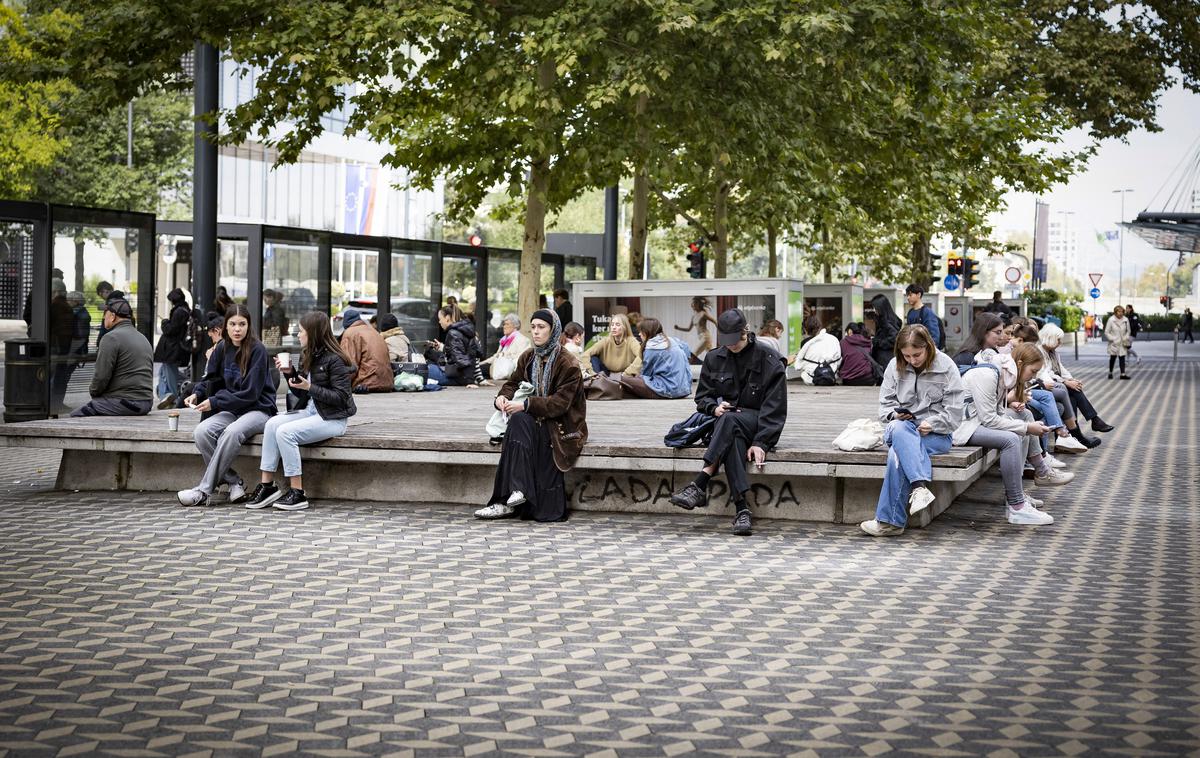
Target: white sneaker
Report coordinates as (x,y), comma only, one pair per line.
(881,528)
(1069,444)
(495,510)
(1052,477)
(1035,502)
(237,492)
(516,498)
(1053,462)
(191,497)
(1028,517)
(919,500)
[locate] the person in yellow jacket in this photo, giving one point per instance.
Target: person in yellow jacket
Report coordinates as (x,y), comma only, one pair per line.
(618,352)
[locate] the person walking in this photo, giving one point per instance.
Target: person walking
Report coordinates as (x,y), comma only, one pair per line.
(123,377)
(239,393)
(921,401)
(744,385)
(546,431)
(1135,328)
(920,313)
(1186,323)
(1117,332)
(325,401)
(172,350)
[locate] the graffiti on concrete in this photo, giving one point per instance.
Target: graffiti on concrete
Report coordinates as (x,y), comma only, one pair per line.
(640,490)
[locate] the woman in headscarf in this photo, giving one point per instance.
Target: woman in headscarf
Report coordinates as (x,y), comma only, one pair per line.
(546,431)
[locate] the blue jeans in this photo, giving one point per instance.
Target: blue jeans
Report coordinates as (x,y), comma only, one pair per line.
(168,380)
(286,432)
(908,462)
(1043,400)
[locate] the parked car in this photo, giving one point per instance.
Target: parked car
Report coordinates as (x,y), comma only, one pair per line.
(416,316)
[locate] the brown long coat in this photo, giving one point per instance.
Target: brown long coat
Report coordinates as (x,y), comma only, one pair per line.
(564,408)
(368,350)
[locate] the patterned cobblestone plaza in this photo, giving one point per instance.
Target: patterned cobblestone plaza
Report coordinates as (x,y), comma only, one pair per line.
(130,626)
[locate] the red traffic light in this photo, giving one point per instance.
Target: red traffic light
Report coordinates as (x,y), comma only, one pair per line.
(694,247)
(475,240)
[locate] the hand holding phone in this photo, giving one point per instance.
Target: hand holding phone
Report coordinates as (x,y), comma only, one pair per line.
(903,414)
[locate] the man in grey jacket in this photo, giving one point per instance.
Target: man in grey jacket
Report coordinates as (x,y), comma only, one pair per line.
(123,384)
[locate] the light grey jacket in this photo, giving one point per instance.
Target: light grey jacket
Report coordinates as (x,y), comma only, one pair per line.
(935,395)
(986,405)
(1116,331)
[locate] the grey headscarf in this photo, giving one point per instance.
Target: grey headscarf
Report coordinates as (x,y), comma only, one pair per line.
(545,355)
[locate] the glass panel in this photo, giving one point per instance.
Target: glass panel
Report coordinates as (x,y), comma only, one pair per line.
(233,263)
(90,264)
(411,296)
(458,282)
(289,290)
(546,290)
(575,272)
(503,273)
(16,268)
(355,283)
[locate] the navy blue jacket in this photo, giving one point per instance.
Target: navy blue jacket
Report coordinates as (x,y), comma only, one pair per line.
(230,390)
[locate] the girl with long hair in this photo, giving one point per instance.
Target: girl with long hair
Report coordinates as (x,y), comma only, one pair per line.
(665,370)
(618,352)
(325,401)
(701,319)
(1049,340)
(987,333)
(921,401)
(240,394)
(887,326)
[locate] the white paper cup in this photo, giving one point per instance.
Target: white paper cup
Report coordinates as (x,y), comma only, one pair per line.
(173,423)
(285,360)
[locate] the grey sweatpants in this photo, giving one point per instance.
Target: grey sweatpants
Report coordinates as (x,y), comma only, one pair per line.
(1013,451)
(219,439)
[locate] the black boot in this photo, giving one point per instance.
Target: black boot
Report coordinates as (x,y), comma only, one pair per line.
(1078,434)
(1098,425)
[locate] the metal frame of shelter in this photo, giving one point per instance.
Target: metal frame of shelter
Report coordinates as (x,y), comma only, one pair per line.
(1179,232)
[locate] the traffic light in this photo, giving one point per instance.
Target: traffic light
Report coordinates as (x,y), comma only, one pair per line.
(954,267)
(697,266)
(970,273)
(934,266)
(1165,301)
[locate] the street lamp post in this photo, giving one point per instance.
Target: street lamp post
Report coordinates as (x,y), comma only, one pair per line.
(1121,246)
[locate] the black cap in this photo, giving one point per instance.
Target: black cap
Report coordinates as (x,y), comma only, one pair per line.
(731,325)
(120,308)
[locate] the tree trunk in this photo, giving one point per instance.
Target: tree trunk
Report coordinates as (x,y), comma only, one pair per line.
(79,245)
(920,259)
(720,240)
(828,267)
(529,281)
(641,196)
(772,253)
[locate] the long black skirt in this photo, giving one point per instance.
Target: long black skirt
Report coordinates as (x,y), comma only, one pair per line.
(527,466)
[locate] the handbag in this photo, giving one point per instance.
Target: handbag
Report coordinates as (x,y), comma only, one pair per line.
(498,424)
(860,434)
(503,367)
(694,431)
(411,367)
(601,387)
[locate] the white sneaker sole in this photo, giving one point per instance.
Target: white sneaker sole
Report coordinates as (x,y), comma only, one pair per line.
(291,507)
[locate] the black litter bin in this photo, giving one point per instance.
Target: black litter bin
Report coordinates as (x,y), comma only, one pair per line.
(26,371)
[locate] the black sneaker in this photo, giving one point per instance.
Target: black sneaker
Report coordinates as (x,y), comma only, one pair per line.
(741,523)
(294,500)
(1098,425)
(690,497)
(264,495)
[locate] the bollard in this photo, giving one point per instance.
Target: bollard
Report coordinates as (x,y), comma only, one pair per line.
(1175,347)
(1076,335)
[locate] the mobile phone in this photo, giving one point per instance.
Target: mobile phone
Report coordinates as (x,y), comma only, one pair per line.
(902,412)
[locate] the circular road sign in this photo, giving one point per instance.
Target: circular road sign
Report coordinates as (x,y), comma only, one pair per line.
(1095,293)
(950,282)
(1012,274)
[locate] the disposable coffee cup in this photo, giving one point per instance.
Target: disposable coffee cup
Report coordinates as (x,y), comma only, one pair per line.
(173,421)
(285,361)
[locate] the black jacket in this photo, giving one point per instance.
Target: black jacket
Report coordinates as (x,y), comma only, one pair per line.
(171,348)
(761,387)
(462,349)
(883,344)
(331,387)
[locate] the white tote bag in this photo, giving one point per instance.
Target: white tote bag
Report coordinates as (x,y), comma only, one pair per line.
(860,434)
(498,424)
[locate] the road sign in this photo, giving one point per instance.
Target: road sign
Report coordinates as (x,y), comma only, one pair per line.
(1095,279)
(951,282)
(1095,293)
(1012,274)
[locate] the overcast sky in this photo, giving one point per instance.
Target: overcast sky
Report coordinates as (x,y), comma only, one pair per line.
(1142,164)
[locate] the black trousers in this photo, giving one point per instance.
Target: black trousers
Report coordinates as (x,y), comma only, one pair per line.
(1187,336)
(527,466)
(1113,359)
(1082,405)
(732,437)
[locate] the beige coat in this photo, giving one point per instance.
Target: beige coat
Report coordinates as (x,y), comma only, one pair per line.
(1116,331)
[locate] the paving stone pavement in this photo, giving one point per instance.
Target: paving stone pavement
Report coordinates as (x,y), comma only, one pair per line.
(131,626)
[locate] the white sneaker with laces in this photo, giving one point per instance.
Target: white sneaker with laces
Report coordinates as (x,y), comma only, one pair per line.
(516,498)
(1053,462)
(191,497)
(495,511)
(1053,477)
(237,492)
(1069,444)
(1028,517)
(1035,502)
(919,500)
(881,528)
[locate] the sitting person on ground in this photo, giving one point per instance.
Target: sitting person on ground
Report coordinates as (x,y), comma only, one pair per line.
(546,431)
(770,334)
(743,384)
(1049,340)
(987,333)
(503,362)
(455,362)
(325,402)
(368,350)
(921,401)
(1052,399)
(618,352)
(239,393)
(173,349)
(920,313)
(990,422)
(887,326)
(1117,333)
(572,341)
(820,356)
(398,345)
(858,367)
(666,366)
(123,381)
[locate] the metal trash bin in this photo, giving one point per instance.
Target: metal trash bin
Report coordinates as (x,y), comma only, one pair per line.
(26,371)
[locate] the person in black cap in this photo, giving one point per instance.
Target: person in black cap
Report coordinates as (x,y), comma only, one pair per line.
(123,382)
(743,384)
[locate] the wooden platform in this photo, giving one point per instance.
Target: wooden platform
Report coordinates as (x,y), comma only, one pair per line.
(431,447)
